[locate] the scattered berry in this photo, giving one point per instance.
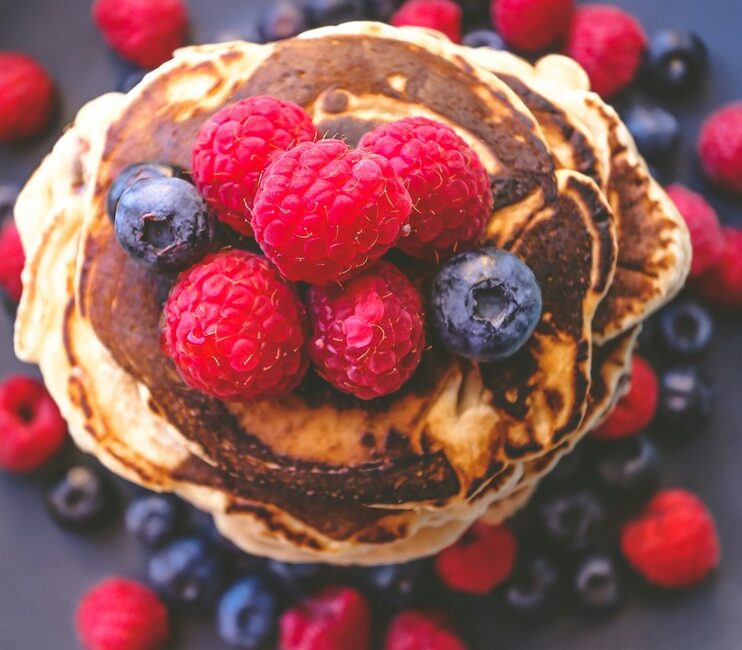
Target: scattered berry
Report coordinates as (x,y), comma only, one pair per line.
(12,259)
(323,212)
(720,148)
(120,614)
(337,618)
(655,131)
(235,329)
(687,400)
(634,410)
(629,469)
(141,31)
(609,43)
(532,25)
(81,499)
(597,585)
(482,559)
(721,285)
(153,518)
(247,614)
(31,427)
(676,62)
(484,38)
(26,96)
(234,147)
(673,542)
(572,520)
(449,187)
(485,304)
(442,15)
(421,630)
(401,585)
(334,12)
(687,328)
(133,174)
(533,592)
(295,580)
(280,20)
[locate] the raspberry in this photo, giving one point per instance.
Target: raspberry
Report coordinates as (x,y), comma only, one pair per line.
(142,31)
(12,259)
(636,409)
(120,614)
(443,15)
(448,185)
(482,559)
(720,147)
(368,334)
(26,96)
(609,43)
(234,147)
(532,25)
(673,542)
(421,630)
(323,211)
(31,427)
(337,618)
(235,329)
(703,224)
(721,285)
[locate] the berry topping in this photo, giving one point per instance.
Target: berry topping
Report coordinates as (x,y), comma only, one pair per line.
(596,584)
(235,329)
(485,304)
(337,618)
(484,38)
(629,469)
(703,223)
(120,614)
(142,31)
(247,614)
(368,333)
(533,592)
(655,131)
(133,174)
(676,62)
(323,211)
(532,25)
(154,518)
(687,400)
(687,328)
(442,15)
(421,630)
(449,187)
(721,285)
(572,520)
(673,542)
(26,96)
(12,259)
(334,12)
(81,499)
(479,561)
(609,43)
(634,410)
(280,20)
(234,147)
(401,585)
(31,428)
(720,148)
(295,580)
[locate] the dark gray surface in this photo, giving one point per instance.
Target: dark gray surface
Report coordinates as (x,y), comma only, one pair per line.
(44,570)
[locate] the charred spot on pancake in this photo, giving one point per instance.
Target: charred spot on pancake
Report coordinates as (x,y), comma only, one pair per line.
(69,312)
(555,400)
(78,396)
(519,370)
(335,101)
(368,440)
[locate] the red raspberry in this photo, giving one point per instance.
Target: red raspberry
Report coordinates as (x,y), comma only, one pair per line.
(443,15)
(235,329)
(323,212)
(234,147)
(421,630)
(636,409)
(532,25)
(721,285)
(32,429)
(26,96)
(720,147)
(673,542)
(144,32)
(120,614)
(448,185)
(609,44)
(337,618)
(368,334)
(482,559)
(12,259)
(703,224)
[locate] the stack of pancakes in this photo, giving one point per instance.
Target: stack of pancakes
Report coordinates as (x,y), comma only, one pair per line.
(320,476)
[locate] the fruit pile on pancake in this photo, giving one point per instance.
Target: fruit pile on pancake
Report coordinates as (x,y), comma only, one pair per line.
(317,475)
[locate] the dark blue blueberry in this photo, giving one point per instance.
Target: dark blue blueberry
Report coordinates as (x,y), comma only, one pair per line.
(295,580)
(130,80)
(81,499)
(629,469)
(247,614)
(597,585)
(676,62)
(687,400)
(154,518)
(571,521)
(656,132)
(686,328)
(133,174)
(484,38)
(8,196)
(401,585)
(281,20)
(486,304)
(381,9)
(334,12)
(189,572)
(163,224)
(533,591)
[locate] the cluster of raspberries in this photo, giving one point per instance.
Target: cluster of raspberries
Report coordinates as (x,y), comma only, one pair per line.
(323,215)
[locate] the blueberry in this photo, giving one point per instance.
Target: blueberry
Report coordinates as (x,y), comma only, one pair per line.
(676,62)
(247,614)
(81,499)
(130,80)
(281,20)
(596,584)
(533,591)
(655,131)
(486,304)
(629,469)
(572,520)
(334,12)
(401,585)
(163,224)
(133,174)
(484,38)
(154,519)
(188,572)
(8,196)
(686,401)
(686,328)
(295,579)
